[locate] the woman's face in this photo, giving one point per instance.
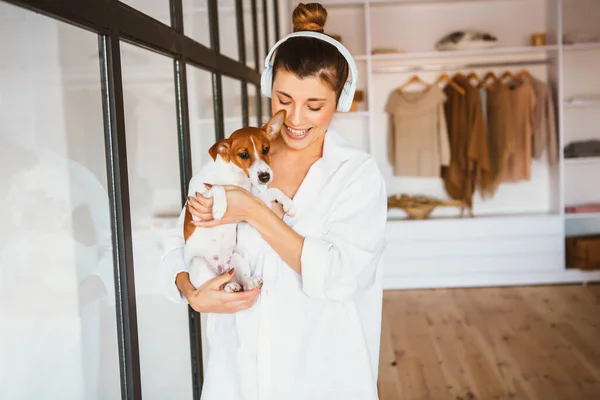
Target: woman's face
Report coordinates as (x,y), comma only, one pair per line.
(309,103)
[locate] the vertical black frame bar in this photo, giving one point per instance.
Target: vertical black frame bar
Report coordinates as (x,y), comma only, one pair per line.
(217,76)
(185,175)
(258,61)
(118,189)
(239,19)
(266,19)
(276,17)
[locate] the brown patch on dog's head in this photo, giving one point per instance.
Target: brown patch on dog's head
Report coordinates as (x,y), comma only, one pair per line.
(220,148)
(248,145)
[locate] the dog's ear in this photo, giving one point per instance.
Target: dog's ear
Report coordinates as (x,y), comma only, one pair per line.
(220,148)
(273,127)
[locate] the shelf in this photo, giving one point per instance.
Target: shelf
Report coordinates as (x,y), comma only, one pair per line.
(582,160)
(459,53)
(581,46)
(578,102)
(582,215)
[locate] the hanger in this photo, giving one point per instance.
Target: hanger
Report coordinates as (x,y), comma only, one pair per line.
(508,74)
(413,79)
(473,75)
(523,73)
(488,75)
(444,77)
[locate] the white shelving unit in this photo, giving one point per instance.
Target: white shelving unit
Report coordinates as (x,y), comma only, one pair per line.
(518,236)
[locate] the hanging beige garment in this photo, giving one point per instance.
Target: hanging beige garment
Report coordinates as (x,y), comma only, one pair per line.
(501,130)
(522,98)
(545,136)
(417,135)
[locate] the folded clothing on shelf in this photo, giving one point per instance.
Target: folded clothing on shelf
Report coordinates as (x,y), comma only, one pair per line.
(583,208)
(583,148)
(466,40)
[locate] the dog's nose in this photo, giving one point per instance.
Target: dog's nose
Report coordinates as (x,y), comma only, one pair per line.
(264,177)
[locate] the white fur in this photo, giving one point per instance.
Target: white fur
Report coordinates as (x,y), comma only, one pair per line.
(210,252)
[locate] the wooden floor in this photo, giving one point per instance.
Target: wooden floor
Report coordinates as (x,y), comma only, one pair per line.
(492,343)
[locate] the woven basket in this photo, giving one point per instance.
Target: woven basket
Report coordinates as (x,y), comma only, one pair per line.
(420,207)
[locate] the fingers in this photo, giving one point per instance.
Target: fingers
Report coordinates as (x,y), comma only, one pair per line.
(221,280)
(207,224)
(240,297)
(200,201)
(242,300)
(199,209)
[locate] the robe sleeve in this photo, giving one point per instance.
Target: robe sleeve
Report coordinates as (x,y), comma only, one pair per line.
(172,261)
(344,260)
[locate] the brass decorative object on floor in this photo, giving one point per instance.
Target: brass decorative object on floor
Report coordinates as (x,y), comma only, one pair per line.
(420,207)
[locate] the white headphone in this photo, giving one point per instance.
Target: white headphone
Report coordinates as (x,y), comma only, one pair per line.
(347,95)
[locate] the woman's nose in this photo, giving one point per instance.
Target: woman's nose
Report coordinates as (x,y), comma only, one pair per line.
(295,116)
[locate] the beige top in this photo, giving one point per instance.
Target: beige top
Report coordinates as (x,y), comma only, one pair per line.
(545,136)
(523,102)
(417,136)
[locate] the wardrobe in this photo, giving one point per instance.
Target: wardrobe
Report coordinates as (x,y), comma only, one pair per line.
(517,236)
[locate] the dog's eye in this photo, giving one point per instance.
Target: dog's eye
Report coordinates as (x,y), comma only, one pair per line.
(265,150)
(244,155)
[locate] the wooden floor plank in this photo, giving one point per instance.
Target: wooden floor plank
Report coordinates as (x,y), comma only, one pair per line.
(539,342)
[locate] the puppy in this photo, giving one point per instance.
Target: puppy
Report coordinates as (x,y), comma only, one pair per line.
(242,160)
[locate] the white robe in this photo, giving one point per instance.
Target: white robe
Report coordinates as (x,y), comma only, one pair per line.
(314,336)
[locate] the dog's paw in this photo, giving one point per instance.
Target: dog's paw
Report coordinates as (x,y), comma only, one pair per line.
(232,287)
(254,282)
(218,212)
(289,209)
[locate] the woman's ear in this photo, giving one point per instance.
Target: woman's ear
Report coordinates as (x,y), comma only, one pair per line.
(273,127)
(220,148)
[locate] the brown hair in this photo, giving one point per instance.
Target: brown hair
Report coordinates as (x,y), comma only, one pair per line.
(306,56)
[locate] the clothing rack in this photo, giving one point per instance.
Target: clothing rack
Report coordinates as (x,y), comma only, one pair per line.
(454,67)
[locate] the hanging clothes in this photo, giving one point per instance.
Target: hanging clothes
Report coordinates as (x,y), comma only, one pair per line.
(469,167)
(523,102)
(417,137)
(545,136)
(501,130)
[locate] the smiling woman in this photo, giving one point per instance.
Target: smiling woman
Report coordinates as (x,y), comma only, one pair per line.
(313,332)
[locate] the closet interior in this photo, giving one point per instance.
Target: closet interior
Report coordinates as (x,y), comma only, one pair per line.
(494,207)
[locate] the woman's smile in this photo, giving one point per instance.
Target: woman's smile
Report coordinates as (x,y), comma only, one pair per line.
(297,134)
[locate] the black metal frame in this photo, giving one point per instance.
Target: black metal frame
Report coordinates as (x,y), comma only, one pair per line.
(114,21)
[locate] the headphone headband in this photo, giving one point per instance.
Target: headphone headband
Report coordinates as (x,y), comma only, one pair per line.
(347,95)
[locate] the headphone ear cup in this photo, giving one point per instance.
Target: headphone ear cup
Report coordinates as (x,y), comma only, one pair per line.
(266,81)
(346,97)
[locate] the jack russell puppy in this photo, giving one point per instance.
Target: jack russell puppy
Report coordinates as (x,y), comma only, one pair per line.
(241,160)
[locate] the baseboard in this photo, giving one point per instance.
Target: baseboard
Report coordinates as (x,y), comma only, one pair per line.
(398,282)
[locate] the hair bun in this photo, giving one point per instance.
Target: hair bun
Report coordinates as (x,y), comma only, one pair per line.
(309,17)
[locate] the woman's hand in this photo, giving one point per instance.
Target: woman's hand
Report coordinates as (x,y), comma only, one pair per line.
(211,298)
(241,204)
